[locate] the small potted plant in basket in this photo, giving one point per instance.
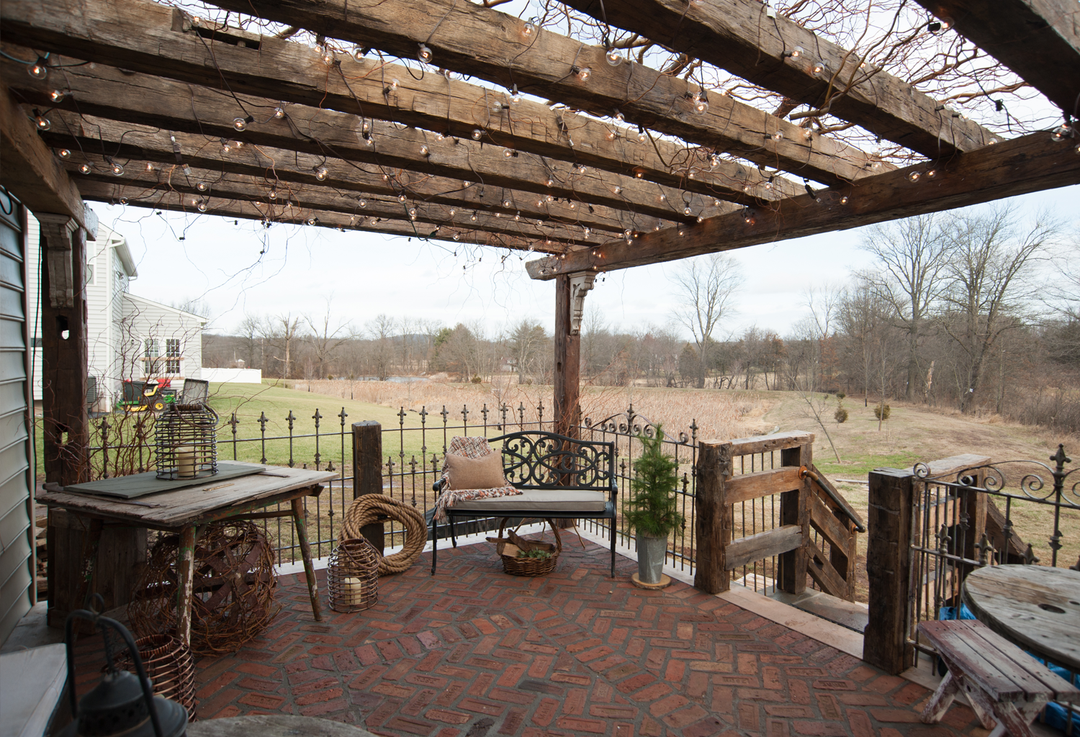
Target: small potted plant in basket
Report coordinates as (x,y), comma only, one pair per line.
(652,509)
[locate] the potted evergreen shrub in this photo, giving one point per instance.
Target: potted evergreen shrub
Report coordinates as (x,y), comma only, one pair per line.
(651,510)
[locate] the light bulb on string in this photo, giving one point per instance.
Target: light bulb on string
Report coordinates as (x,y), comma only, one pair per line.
(39,69)
(477,134)
(202,206)
(701,104)
(362,203)
(116,169)
(914,176)
(424,54)
(64,153)
(528,30)
(515,96)
(613,57)
(641,135)
(583,73)
(1062,132)
(202,187)
(57,96)
(279,113)
(424,150)
(241,124)
(42,123)
(272,194)
(322,173)
(401,198)
(85,168)
(687,210)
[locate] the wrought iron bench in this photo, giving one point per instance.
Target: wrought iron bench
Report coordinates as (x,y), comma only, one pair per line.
(559,477)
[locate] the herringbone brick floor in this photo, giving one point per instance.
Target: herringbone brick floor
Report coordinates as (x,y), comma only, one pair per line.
(473,652)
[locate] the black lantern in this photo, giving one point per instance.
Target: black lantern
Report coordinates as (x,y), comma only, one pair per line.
(123,703)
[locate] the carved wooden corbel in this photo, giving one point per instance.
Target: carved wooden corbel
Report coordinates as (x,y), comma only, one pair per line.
(579,285)
(57,230)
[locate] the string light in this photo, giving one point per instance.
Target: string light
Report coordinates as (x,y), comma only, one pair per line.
(202,187)
(687,210)
(362,203)
(701,104)
(528,30)
(425,54)
(322,173)
(818,67)
(424,150)
(778,136)
(313,221)
(641,135)
(328,57)
(914,176)
(85,168)
(477,134)
(844,200)
(279,113)
(64,153)
(42,123)
(617,190)
(202,206)
(515,96)
(401,198)
(241,124)
(583,73)
(613,57)
(39,69)
(1062,132)
(57,96)
(272,194)
(117,169)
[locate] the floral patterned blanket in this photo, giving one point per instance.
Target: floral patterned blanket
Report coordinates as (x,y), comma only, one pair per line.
(470,447)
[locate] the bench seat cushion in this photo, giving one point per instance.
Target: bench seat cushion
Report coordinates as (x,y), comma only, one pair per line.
(539,500)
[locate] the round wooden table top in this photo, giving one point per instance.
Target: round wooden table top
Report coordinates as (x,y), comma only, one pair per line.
(1036,607)
(273,725)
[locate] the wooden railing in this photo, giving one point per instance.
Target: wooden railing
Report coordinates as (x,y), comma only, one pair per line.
(812,531)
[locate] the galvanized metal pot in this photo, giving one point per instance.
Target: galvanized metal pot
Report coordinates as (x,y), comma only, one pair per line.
(651,552)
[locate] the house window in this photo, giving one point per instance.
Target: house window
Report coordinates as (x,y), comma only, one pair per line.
(172,355)
(150,357)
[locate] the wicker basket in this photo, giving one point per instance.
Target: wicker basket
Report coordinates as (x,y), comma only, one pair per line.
(352,576)
(509,546)
(170,667)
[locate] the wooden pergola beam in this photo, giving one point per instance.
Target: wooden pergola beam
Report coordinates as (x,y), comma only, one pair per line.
(31,172)
(742,37)
(1037,39)
(150,101)
(170,46)
(351,182)
(477,40)
(301,203)
(1029,164)
(247,210)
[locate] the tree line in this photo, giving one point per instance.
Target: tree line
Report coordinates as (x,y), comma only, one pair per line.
(977,310)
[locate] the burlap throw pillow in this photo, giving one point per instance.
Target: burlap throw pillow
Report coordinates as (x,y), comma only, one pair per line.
(485,472)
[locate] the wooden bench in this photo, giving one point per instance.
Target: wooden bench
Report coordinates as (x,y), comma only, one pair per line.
(1002,682)
(559,477)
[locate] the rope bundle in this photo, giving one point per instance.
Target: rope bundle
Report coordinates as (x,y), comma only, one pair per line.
(368,509)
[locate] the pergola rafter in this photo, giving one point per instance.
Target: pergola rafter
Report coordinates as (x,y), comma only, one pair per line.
(779,54)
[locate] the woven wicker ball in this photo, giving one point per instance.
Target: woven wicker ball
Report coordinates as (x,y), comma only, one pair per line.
(233,587)
(352,576)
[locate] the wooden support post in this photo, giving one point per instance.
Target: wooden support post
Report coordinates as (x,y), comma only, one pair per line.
(367,472)
(888,568)
(712,523)
(64,351)
(567,359)
(795,510)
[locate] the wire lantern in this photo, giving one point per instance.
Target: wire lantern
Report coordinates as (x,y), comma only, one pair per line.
(352,576)
(170,667)
(186,437)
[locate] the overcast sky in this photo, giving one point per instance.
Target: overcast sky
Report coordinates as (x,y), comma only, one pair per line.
(244,269)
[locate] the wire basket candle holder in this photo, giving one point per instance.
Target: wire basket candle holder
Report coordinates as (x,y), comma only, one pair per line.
(170,666)
(352,576)
(186,437)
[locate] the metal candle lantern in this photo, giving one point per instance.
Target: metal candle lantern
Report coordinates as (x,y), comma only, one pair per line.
(186,436)
(123,703)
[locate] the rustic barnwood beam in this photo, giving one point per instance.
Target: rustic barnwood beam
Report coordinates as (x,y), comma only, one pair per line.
(246,210)
(136,146)
(169,44)
(140,99)
(306,202)
(1037,39)
(1029,164)
(502,49)
(30,171)
(742,37)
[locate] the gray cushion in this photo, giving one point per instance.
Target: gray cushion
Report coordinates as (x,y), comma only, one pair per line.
(539,500)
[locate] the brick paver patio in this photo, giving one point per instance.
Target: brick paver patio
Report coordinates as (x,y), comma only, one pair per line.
(472,652)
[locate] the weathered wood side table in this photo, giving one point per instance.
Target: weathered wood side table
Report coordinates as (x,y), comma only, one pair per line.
(184,510)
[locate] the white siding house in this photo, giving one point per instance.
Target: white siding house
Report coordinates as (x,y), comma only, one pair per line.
(129,337)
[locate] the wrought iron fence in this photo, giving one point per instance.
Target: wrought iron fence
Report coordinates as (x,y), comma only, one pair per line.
(412,453)
(988,514)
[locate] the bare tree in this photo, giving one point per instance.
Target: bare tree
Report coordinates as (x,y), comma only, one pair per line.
(326,341)
(527,342)
(381,331)
(707,285)
(282,332)
(913,257)
(991,257)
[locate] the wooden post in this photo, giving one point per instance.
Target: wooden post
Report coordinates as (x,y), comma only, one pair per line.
(795,510)
(367,472)
(64,351)
(567,362)
(712,523)
(888,568)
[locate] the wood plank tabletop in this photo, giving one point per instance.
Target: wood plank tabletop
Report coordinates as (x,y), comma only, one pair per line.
(175,509)
(1036,607)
